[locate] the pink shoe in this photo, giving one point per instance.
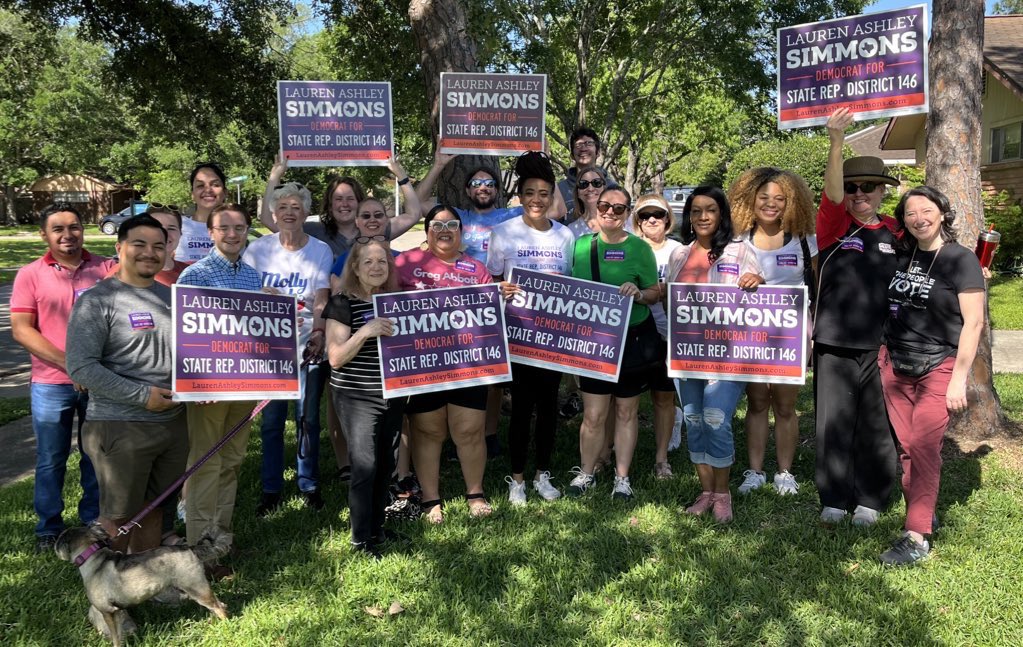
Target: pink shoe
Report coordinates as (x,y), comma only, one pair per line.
(702,504)
(722,507)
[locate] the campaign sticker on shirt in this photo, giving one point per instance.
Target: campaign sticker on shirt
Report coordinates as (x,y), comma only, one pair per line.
(855,244)
(728,268)
(465,266)
(787,260)
(614,254)
(486,245)
(141,320)
(885,248)
(368,317)
(80,291)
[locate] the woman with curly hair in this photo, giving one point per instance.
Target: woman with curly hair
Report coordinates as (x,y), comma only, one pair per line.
(774,211)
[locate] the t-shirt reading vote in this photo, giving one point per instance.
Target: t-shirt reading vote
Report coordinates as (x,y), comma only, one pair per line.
(195,241)
(476,229)
(419,269)
(516,244)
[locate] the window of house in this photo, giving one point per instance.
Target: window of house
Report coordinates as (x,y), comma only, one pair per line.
(1005,142)
(74,197)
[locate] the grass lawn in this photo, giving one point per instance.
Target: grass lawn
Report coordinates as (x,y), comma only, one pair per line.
(16,252)
(13,408)
(1006,298)
(580,571)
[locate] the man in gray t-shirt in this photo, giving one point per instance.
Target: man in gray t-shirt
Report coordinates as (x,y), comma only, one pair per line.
(119,347)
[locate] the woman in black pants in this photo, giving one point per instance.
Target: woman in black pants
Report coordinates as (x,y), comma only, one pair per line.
(373,423)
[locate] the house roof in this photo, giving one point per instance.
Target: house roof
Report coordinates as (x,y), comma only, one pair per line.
(74,183)
(868,142)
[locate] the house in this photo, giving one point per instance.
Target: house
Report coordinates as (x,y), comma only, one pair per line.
(92,196)
(1002,113)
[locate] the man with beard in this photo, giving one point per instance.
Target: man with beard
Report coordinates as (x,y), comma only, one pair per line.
(583,146)
(119,347)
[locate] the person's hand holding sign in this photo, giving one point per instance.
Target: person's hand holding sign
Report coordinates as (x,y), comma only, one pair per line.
(377,327)
(750,281)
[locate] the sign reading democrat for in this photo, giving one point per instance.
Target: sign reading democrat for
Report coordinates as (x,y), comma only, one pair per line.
(566,324)
(720,332)
(234,345)
(447,338)
(492,114)
(874,64)
(335,123)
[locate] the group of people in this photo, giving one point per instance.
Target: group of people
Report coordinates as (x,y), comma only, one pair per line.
(896,314)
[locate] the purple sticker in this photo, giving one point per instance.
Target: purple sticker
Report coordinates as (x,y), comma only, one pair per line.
(465,266)
(614,254)
(141,321)
(80,291)
(368,317)
(852,243)
(787,260)
(729,268)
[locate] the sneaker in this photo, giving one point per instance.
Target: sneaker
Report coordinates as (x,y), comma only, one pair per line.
(313,499)
(703,503)
(581,483)
(573,406)
(45,544)
(181,510)
(832,515)
(268,503)
(544,488)
(864,516)
(754,481)
(785,483)
(722,507)
(368,549)
(905,551)
(516,491)
(622,489)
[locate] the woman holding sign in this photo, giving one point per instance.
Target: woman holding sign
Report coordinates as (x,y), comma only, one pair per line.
(373,423)
(443,264)
(774,210)
(615,257)
(713,257)
(532,242)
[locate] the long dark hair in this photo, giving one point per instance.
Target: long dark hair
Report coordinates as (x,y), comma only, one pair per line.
(906,240)
(724,232)
(326,217)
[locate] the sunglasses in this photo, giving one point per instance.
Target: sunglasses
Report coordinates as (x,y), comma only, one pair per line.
(444,225)
(596,184)
(166,208)
(617,209)
(375,215)
(653,215)
(866,187)
(479,184)
(364,240)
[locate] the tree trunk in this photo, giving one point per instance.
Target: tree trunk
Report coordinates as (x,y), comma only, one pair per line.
(10,210)
(953,167)
(441,30)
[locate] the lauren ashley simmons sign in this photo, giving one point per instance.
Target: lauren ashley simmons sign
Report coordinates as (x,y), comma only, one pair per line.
(234,345)
(335,123)
(567,325)
(492,114)
(448,338)
(874,64)
(720,332)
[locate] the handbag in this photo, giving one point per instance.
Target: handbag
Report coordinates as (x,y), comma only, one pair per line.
(644,347)
(919,362)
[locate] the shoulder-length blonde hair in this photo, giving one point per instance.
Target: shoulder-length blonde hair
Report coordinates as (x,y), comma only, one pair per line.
(350,285)
(799,216)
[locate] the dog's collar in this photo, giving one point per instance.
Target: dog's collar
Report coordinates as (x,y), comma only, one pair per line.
(88,552)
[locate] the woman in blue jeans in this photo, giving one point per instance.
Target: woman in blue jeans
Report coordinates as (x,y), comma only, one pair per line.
(713,257)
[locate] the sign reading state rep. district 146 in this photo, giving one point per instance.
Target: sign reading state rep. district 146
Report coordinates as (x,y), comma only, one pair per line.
(492,114)
(335,123)
(234,345)
(875,65)
(720,332)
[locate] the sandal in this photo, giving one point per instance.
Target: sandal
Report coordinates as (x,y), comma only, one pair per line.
(433,511)
(663,471)
(173,539)
(344,474)
(481,509)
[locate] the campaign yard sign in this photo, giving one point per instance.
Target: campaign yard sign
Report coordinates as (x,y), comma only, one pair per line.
(446,338)
(234,345)
(492,114)
(335,123)
(567,325)
(874,64)
(720,332)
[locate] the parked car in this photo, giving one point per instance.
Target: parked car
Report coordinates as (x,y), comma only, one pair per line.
(676,197)
(108,224)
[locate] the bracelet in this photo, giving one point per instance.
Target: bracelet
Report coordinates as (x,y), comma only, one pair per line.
(405,180)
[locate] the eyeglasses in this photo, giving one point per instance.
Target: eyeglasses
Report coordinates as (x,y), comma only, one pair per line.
(479,184)
(596,184)
(375,215)
(364,240)
(584,143)
(444,225)
(653,215)
(617,209)
(238,229)
(866,187)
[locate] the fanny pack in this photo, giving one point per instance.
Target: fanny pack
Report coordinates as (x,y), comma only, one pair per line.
(919,362)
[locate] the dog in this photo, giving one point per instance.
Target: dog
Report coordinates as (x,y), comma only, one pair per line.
(115,581)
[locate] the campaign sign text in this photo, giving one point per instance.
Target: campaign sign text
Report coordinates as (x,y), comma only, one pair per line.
(335,123)
(874,64)
(492,114)
(447,338)
(234,345)
(567,325)
(720,332)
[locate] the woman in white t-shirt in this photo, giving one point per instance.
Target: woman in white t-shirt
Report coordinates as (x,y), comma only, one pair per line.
(209,190)
(774,210)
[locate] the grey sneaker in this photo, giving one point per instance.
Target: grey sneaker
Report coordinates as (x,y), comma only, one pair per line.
(581,483)
(543,487)
(622,489)
(832,515)
(785,483)
(864,516)
(905,552)
(516,491)
(754,481)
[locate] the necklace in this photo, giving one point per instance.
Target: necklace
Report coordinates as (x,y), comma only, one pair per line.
(912,260)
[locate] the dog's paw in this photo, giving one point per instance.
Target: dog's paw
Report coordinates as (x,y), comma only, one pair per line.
(128,626)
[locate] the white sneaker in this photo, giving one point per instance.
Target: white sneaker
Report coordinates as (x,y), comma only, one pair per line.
(785,483)
(864,516)
(622,489)
(754,481)
(832,515)
(516,491)
(544,488)
(581,483)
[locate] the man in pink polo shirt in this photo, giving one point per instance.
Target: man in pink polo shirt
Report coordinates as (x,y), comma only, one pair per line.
(43,294)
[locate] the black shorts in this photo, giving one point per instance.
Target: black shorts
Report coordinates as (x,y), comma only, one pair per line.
(472,397)
(629,385)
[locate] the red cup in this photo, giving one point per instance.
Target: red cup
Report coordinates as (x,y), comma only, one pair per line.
(987,243)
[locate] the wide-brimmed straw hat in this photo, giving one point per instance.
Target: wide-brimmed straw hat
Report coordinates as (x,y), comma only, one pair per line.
(867,168)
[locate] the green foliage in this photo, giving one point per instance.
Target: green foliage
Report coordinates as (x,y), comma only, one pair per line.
(911,176)
(1006,214)
(1007,7)
(803,154)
